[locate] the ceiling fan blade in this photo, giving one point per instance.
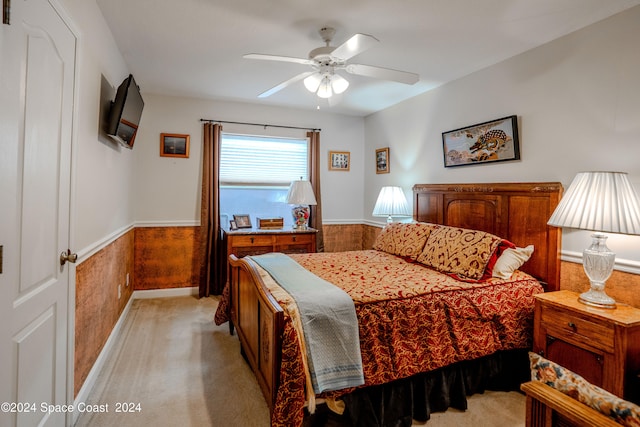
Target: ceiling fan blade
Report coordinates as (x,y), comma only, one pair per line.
(285,84)
(354,46)
(278,58)
(383,73)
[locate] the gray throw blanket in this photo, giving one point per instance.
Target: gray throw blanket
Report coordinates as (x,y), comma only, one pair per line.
(329,323)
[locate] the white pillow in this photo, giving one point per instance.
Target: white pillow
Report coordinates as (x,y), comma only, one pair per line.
(510,261)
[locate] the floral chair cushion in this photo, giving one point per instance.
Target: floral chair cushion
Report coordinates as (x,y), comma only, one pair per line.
(404,239)
(573,385)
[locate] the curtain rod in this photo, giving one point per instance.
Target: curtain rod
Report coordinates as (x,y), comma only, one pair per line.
(260,124)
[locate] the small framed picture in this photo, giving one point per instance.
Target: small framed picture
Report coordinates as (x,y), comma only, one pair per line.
(174,145)
(382,160)
(233,225)
(339,160)
(242,221)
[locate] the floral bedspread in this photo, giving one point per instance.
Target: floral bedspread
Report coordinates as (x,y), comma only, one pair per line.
(412,319)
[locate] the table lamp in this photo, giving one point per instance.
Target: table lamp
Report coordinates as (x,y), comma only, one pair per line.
(391,202)
(301,194)
(604,202)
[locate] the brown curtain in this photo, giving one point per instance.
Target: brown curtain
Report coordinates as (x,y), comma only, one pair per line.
(213,271)
(315,219)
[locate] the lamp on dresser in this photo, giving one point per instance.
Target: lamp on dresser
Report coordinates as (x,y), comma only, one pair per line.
(604,202)
(301,195)
(391,202)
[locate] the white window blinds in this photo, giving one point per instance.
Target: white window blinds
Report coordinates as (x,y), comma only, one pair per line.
(256,160)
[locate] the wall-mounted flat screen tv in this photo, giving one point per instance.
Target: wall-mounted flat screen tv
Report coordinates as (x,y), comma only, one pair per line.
(125,114)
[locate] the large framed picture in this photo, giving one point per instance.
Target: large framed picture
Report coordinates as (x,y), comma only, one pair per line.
(174,145)
(382,160)
(487,142)
(339,160)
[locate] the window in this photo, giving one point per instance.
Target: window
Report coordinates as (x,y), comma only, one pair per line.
(255,173)
(254,160)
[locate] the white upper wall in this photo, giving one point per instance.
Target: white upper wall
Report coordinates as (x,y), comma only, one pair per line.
(578,107)
(168,189)
(102,196)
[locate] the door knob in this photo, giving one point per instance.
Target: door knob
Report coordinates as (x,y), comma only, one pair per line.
(68,256)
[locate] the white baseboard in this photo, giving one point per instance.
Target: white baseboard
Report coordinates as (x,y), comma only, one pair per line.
(90,382)
(86,388)
(165,293)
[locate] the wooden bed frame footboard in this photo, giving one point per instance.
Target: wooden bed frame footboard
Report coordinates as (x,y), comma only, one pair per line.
(259,320)
(515,211)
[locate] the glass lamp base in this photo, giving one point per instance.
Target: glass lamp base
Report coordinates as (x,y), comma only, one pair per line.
(598,262)
(597,298)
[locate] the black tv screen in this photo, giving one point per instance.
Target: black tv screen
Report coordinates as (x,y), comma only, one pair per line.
(126,110)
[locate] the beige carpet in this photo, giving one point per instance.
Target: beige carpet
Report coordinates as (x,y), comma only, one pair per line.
(183,370)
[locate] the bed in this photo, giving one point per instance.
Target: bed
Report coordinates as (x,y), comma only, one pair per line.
(474,320)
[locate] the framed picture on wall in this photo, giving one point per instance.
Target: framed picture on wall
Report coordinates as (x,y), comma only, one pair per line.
(174,145)
(487,142)
(339,160)
(382,160)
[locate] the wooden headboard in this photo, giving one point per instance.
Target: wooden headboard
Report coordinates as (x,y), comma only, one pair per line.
(517,212)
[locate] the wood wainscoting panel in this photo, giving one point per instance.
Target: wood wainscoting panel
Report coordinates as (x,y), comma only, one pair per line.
(369,235)
(167,257)
(621,286)
(342,237)
(98,305)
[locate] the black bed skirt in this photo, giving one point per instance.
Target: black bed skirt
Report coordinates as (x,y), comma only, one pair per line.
(398,403)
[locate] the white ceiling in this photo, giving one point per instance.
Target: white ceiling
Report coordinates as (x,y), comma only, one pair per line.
(194,48)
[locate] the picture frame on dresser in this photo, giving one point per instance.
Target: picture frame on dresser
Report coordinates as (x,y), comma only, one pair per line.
(242,221)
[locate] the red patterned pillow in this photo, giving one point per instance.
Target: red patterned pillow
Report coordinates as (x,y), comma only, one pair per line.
(404,239)
(462,252)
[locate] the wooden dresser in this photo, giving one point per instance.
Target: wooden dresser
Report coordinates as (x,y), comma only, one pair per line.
(252,241)
(601,345)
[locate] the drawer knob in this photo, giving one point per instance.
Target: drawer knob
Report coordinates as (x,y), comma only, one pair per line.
(251,239)
(294,238)
(572,325)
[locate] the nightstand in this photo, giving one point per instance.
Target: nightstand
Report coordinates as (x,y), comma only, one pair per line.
(601,345)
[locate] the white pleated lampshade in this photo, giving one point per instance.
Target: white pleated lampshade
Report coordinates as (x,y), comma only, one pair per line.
(391,202)
(599,201)
(301,193)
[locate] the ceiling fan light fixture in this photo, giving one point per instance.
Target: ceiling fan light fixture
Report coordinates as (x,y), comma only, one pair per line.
(339,84)
(325,60)
(313,82)
(324,91)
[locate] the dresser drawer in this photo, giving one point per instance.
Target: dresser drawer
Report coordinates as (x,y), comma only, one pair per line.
(569,326)
(252,240)
(294,239)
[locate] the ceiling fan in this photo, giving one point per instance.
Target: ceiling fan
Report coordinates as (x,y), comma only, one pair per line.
(326,60)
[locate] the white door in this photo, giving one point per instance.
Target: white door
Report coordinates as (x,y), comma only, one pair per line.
(37,66)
